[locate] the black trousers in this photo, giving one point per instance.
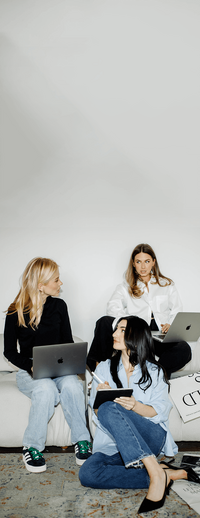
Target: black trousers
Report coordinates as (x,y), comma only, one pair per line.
(102,345)
(172,356)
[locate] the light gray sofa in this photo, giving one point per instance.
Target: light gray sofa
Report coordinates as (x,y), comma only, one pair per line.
(14,410)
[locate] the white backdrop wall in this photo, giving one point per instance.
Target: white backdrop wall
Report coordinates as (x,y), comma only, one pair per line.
(100,144)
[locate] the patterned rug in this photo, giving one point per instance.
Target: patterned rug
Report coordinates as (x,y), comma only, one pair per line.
(57,493)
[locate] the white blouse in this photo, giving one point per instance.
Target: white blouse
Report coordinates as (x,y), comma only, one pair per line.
(163,301)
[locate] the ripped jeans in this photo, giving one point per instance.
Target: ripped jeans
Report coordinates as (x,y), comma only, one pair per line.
(136,438)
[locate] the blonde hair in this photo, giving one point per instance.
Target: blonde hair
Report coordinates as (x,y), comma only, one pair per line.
(132,276)
(29,299)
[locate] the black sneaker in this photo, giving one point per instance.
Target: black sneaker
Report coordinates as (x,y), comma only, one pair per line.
(83,450)
(33,460)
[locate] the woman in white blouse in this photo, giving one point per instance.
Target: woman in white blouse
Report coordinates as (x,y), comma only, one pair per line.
(147,293)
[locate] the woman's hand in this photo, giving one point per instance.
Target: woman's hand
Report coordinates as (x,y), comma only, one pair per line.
(104,385)
(165,328)
(127,402)
(130,403)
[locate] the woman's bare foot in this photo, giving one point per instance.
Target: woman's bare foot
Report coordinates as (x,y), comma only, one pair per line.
(178,474)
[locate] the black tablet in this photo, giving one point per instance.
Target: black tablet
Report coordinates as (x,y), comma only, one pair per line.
(104,395)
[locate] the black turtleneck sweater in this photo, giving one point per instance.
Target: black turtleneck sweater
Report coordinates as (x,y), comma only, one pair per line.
(54,328)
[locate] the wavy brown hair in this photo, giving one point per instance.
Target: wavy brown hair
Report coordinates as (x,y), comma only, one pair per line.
(29,299)
(132,276)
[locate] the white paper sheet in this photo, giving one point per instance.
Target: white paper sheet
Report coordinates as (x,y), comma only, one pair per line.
(189,492)
(185,392)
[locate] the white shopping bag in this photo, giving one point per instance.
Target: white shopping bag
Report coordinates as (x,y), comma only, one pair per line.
(185,393)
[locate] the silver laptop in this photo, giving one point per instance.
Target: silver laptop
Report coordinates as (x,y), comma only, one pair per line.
(185,326)
(51,361)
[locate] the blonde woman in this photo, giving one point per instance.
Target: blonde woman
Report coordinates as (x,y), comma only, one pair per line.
(38,317)
(148,294)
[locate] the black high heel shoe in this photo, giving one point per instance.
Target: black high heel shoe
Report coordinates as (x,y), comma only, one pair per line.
(149,505)
(191,474)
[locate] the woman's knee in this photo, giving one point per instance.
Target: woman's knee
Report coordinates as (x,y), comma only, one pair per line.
(70,385)
(45,390)
(104,323)
(186,351)
(182,351)
(89,471)
(105,411)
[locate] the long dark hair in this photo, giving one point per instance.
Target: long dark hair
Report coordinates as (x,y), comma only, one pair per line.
(132,276)
(140,348)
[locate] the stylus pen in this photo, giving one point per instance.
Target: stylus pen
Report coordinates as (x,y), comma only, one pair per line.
(96,377)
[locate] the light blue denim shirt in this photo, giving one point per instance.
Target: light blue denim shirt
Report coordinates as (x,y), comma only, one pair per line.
(156,396)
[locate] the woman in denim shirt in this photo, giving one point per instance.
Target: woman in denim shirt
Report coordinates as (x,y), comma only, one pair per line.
(132,431)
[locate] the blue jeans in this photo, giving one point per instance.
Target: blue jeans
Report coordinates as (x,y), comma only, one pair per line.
(136,438)
(45,394)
